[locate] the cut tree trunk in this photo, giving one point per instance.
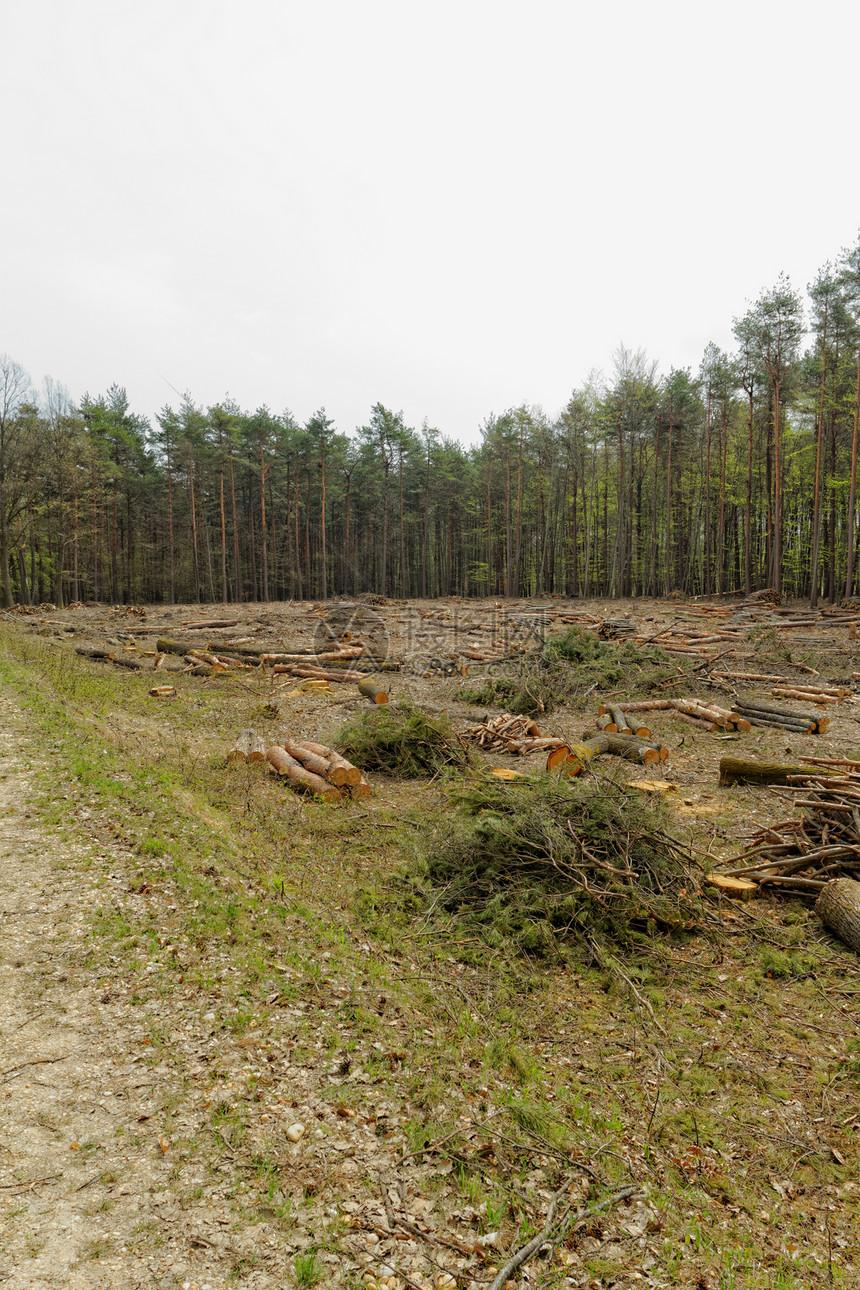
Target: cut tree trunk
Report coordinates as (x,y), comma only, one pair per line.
(646,705)
(626,746)
(372,692)
(735,771)
(572,759)
(782,692)
(213,622)
(838,907)
(248,747)
(620,721)
(737,888)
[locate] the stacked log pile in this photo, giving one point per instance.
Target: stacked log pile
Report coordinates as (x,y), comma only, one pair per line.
(708,715)
(616,629)
(779,718)
(308,767)
(743,714)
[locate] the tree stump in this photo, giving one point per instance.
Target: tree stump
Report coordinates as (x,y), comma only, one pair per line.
(838,907)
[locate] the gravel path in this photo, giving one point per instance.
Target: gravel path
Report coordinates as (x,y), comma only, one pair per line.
(88,1198)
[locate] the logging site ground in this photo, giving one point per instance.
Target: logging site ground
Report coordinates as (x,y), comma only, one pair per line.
(459,1032)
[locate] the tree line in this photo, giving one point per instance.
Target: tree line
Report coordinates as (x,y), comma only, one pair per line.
(738,475)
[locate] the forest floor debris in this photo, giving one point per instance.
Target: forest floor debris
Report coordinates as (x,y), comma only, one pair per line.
(455,1088)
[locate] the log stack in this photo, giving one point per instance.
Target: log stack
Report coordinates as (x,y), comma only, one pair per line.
(779,718)
(708,715)
(616,629)
(325,773)
(308,767)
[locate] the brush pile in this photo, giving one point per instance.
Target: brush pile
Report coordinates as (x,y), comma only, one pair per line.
(534,862)
(801,856)
(399,739)
(507,733)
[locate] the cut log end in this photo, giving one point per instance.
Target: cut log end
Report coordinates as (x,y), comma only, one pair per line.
(371,691)
(736,888)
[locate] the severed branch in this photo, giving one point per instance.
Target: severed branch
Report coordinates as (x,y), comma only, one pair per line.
(553,1232)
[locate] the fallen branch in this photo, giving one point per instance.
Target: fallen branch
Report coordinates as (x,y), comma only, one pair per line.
(555,1232)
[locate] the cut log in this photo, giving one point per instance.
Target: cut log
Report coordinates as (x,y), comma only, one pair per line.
(310,760)
(579,755)
(315,673)
(838,907)
(88,651)
(694,708)
(161,691)
(347,654)
(626,746)
(737,888)
(299,777)
(696,721)
(341,772)
(557,757)
(213,622)
(783,692)
(646,705)
(735,771)
(249,746)
(371,691)
(621,724)
(165,646)
(358,792)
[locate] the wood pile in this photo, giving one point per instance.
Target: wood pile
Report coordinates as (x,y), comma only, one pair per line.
(308,767)
(771,714)
(802,856)
(506,733)
(708,715)
(616,629)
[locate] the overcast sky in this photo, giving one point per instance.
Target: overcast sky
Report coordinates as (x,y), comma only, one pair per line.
(449,208)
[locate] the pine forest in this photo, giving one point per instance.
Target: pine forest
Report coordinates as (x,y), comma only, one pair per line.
(735,476)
